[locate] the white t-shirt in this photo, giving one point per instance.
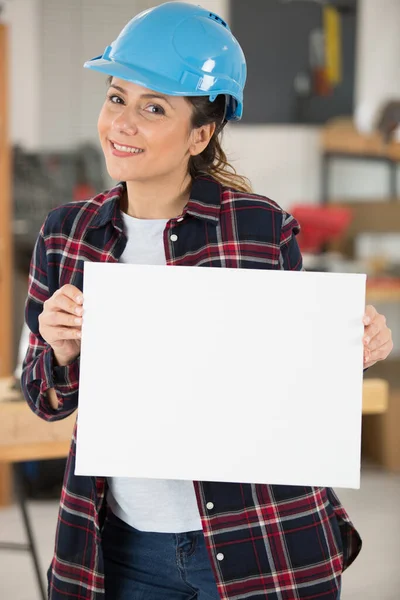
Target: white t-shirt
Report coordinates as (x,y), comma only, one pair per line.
(158,505)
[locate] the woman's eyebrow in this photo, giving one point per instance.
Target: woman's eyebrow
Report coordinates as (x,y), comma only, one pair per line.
(159,96)
(117,87)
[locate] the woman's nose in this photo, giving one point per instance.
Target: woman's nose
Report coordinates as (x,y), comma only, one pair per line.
(124,123)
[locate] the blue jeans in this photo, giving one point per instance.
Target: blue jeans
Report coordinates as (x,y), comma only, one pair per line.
(155,566)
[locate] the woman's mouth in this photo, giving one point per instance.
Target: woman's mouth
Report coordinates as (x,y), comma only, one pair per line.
(124,151)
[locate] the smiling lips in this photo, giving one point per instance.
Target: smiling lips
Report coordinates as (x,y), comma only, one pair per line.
(124,151)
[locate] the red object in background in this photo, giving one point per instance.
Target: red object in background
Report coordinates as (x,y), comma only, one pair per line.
(83,191)
(321,84)
(320,224)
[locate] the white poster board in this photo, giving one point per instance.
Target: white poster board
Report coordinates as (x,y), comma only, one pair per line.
(235,375)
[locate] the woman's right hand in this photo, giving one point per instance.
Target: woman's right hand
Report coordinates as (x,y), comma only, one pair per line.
(60,323)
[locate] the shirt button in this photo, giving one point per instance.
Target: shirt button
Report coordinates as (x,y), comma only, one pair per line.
(179,220)
(220,556)
(173,237)
(210,505)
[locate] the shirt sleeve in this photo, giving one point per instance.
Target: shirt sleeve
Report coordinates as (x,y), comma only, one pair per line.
(290,255)
(39,372)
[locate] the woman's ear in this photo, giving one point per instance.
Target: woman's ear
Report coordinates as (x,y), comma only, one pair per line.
(201,137)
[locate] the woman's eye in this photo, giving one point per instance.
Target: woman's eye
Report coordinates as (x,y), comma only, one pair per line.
(155,109)
(114,99)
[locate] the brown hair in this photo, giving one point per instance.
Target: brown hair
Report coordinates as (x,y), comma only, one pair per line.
(213,160)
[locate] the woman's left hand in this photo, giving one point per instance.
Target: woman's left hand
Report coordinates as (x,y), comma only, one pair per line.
(378,342)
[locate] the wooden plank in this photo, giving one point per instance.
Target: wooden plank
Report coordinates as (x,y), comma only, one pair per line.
(371,217)
(341,135)
(6,487)
(19,426)
(35,451)
(5,215)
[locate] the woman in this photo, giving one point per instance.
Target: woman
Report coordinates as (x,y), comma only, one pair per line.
(176,77)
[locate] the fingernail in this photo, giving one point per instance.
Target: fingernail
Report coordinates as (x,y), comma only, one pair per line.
(79,311)
(367,340)
(78,321)
(79,299)
(367,320)
(78,334)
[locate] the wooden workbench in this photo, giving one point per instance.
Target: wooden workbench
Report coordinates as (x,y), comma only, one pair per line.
(25,437)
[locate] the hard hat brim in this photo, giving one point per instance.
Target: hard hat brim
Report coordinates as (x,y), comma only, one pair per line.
(164,85)
(148,79)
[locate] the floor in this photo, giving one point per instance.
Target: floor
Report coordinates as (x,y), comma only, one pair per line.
(375,510)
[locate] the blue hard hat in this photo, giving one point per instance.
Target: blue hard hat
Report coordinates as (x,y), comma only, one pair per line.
(179,49)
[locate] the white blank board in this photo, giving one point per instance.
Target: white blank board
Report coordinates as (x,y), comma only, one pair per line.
(234,375)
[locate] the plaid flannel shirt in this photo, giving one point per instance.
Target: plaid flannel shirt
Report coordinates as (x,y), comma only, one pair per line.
(279,542)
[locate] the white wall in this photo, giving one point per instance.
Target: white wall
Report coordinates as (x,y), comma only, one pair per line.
(60,93)
(23,17)
(282,162)
(378,58)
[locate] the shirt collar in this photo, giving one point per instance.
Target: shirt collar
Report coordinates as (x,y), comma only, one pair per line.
(108,210)
(205,199)
(204,203)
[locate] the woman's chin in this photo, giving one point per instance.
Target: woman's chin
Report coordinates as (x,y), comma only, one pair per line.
(122,174)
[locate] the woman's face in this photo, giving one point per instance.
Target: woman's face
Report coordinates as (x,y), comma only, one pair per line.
(145,134)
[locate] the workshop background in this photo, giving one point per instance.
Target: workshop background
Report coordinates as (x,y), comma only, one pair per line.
(320,135)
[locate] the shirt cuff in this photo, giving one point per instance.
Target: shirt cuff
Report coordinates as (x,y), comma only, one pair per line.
(64,379)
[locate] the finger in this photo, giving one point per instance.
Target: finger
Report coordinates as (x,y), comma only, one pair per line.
(71,292)
(59,334)
(65,303)
(380,340)
(370,314)
(367,359)
(371,332)
(368,364)
(377,325)
(63,319)
(382,352)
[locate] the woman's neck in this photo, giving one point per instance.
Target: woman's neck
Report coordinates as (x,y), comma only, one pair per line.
(156,200)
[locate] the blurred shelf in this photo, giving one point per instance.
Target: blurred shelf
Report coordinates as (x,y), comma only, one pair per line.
(340,136)
(383,290)
(340,139)
(372,216)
